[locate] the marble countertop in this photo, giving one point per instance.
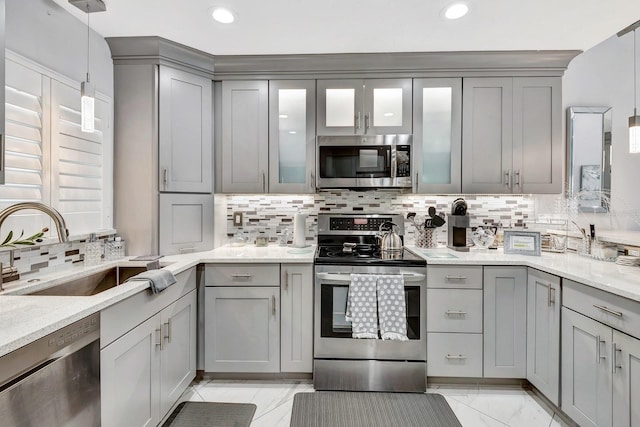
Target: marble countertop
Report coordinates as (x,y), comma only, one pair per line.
(25,318)
(608,276)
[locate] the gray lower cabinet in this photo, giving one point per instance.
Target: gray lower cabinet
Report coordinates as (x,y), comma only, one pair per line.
(244,149)
(156,360)
(600,365)
(296,318)
(454,321)
(586,370)
(512,135)
(242,327)
(186,223)
(543,333)
(626,380)
(505,322)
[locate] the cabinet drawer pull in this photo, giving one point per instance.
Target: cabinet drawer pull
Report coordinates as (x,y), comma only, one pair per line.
(187,250)
(241,277)
(273,305)
(455,278)
(599,356)
(455,312)
(614,357)
(608,310)
(160,340)
(456,356)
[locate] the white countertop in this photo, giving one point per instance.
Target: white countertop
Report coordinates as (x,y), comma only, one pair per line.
(608,276)
(25,318)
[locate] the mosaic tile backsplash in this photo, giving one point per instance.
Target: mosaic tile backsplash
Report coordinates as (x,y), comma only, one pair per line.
(48,257)
(273,214)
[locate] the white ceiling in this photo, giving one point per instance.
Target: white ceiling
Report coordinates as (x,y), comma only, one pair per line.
(346,26)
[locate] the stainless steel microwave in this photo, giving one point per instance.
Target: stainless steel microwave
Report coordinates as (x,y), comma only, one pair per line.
(381,161)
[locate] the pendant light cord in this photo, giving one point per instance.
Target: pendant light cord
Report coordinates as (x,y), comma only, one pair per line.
(88,35)
(635,89)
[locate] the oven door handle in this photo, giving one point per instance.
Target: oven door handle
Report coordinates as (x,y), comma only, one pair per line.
(346,277)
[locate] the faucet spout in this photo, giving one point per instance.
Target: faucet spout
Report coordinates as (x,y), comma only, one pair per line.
(58,220)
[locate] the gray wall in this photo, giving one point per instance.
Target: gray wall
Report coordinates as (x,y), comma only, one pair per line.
(603,76)
(47,34)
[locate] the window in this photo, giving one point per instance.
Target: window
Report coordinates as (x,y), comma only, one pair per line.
(48,159)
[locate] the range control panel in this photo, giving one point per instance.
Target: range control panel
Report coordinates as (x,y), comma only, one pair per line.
(357,223)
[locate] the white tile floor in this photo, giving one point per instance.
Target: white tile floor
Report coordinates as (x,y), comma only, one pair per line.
(474,407)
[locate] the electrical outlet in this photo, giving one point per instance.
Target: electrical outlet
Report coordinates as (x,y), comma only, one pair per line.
(237,219)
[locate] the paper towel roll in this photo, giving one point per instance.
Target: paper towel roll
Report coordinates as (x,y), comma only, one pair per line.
(300,231)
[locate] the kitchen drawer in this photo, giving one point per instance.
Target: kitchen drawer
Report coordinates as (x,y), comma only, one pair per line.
(454,355)
(459,276)
(454,310)
(613,310)
(242,274)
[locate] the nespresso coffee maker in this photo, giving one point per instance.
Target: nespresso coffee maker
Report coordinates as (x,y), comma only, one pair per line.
(458,222)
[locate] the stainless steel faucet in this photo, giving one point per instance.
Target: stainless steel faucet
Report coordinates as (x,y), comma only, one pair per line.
(58,220)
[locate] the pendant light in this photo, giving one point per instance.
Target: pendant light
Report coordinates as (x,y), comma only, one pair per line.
(87,90)
(634,121)
(87,93)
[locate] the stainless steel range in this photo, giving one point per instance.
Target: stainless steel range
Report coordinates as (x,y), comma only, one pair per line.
(347,244)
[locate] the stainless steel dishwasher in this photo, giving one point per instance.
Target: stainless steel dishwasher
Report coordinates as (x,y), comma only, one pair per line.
(54,381)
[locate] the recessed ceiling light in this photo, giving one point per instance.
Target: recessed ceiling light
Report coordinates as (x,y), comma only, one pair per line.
(222,15)
(292,132)
(456,10)
(284,116)
(388,114)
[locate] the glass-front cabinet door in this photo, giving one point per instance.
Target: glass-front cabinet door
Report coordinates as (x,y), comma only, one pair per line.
(292,128)
(364,107)
(437,139)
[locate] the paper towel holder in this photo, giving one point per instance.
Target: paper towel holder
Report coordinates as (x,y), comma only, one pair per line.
(300,231)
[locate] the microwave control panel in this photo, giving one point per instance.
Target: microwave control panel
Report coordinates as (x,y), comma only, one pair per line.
(403,161)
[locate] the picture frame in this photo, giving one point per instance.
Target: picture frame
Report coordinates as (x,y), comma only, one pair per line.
(522,242)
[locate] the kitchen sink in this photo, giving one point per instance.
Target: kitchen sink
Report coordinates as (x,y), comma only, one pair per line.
(92,284)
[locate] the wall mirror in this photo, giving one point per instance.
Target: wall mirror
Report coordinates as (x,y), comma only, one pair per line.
(589,141)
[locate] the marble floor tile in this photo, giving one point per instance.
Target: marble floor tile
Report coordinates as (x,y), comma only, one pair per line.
(474,406)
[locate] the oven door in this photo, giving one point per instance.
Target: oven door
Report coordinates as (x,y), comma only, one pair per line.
(360,162)
(332,333)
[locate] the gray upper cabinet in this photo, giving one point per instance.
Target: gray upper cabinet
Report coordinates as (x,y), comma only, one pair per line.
(511,141)
(537,135)
(186,223)
(245,130)
(505,322)
(292,130)
(437,135)
(364,107)
(185,132)
(487,141)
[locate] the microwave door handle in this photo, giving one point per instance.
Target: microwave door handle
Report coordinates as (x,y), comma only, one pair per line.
(394,164)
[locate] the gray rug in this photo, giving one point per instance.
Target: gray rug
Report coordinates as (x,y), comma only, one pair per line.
(371,409)
(209,414)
